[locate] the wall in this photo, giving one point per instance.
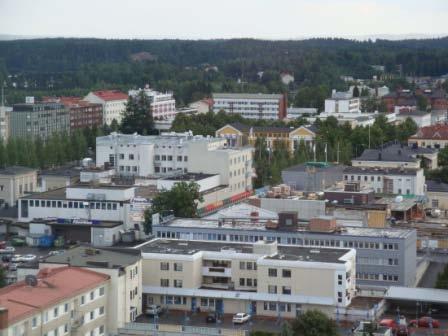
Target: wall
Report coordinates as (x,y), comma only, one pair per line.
(306,209)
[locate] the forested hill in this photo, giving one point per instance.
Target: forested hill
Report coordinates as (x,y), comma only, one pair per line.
(62,64)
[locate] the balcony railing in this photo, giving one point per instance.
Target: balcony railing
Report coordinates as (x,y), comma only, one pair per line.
(217,271)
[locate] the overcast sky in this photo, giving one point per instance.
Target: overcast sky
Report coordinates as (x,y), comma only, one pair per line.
(199,19)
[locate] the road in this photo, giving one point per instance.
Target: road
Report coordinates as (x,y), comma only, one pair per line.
(430,277)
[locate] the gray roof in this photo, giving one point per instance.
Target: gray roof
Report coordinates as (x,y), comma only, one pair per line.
(191,247)
(99,258)
(436,186)
(394,153)
(381,171)
(68,172)
(247,96)
(16,170)
(319,168)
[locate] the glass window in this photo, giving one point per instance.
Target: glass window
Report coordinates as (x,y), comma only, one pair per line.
(286,273)
(272,272)
(164,266)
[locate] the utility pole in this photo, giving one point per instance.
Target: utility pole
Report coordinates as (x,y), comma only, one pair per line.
(337,154)
(326,152)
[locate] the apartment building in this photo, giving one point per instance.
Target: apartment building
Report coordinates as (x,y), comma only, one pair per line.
(113,102)
(238,135)
(123,267)
(263,279)
(38,120)
(398,181)
(59,301)
(252,105)
(341,103)
(173,154)
(83,114)
(16,182)
(384,257)
(163,105)
(435,136)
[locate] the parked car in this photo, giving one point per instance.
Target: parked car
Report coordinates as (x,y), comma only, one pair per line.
(18,242)
(28,257)
(7,249)
(424,322)
(211,318)
(12,267)
(153,310)
(56,252)
(240,318)
(6,258)
(16,258)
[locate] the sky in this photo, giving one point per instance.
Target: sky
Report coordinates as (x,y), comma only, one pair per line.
(203,19)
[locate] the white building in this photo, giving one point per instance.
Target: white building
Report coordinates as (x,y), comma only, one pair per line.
(342,103)
(298,112)
(163,105)
(262,279)
(111,207)
(113,101)
(398,181)
(251,105)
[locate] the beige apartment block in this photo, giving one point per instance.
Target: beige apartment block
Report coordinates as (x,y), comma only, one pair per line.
(263,278)
(15,182)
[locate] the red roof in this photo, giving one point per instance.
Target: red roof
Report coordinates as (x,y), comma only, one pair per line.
(53,286)
(75,102)
(110,95)
(439,132)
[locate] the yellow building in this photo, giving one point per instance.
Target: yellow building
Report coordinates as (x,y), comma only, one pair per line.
(238,135)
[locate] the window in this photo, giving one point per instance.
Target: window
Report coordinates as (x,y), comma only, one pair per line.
(131,156)
(164,266)
(249,282)
(56,312)
(178,283)
(65,328)
(101,291)
(339,279)
(178,267)
(34,322)
(272,289)
(102,310)
(92,295)
(83,300)
(272,272)
(122,156)
(286,290)
(242,282)
(179,158)
(242,265)
(101,330)
(286,273)
(164,282)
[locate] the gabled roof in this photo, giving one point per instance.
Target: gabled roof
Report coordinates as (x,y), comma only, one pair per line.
(109,95)
(394,153)
(439,131)
(53,286)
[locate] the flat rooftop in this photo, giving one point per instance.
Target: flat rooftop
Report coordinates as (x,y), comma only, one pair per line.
(191,247)
(84,256)
(381,171)
(16,170)
(189,177)
(204,224)
(68,172)
(60,193)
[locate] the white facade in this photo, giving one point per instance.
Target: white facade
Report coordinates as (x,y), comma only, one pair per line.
(206,183)
(163,105)
(341,106)
(172,153)
(251,106)
(390,181)
(112,108)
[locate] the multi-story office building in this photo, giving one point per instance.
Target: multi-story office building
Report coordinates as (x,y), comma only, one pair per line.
(263,278)
(252,105)
(83,114)
(341,103)
(93,214)
(113,102)
(174,153)
(385,257)
(39,120)
(399,181)
(163,105)
(123,266)
(59,301)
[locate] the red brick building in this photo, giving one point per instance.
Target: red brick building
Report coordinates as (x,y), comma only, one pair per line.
(83,113)
(437,99)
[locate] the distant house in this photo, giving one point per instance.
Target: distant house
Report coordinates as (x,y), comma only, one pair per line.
(435,136)
(238,135)
(113,102)
(437,194)
(286,78)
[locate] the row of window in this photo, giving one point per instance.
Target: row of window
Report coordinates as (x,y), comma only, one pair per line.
(377,261)
(128,168)
(165,266)
(366,178)
(377,277)
(170,158)
(73,205)
(277,306)
(166,283)
(248,282)
(286,290)
(133,293)
(248,265)
(272,272)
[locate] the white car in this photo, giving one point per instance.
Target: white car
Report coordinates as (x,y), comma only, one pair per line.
(8,249)
(153,310)
(16,258)
(28,257)
(240,318)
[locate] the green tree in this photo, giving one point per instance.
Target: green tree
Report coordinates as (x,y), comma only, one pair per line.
(422,103)
(3,154)
(356,92)
(443,157)
(406,129)
(3,282)
(182,200)
(314,323)
(138,115)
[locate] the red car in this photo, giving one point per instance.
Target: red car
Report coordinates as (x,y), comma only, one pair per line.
(423,322)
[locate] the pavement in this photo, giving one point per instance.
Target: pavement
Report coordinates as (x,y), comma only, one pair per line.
(430,277)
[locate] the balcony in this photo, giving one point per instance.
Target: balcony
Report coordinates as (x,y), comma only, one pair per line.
(217,271)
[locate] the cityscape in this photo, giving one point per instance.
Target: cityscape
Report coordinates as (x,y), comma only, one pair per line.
(282,174)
